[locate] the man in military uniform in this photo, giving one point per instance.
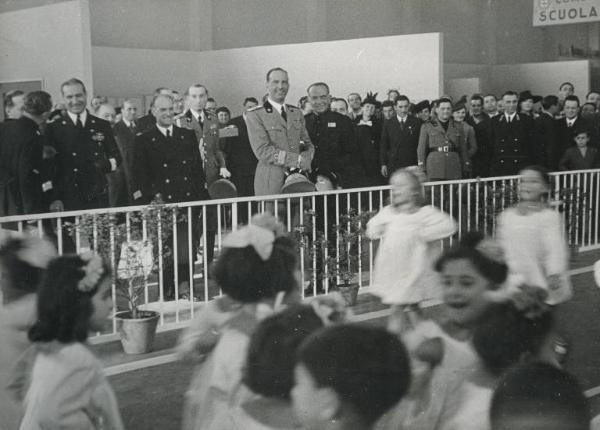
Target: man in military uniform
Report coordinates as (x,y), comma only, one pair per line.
(333,137)
(167,165)
(147,122)
(512,139)
(86,152)
(206,128)
(278,136)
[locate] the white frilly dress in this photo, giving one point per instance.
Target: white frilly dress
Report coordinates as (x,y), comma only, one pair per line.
(403,272)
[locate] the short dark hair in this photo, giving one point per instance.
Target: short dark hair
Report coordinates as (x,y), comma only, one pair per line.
(589,104)
(582,130)
(160,90)
(477,97)
(64,311)
(9,96)
(549,101)
(210,99)
(318,84)
(245,277)
(491,95)
(444,100)
(466,249)
(366,366)
(18,277)
(401,98)
(38,103)
(387,103)
(223,109)
(506,334)
(249,100)
(592,92)
(510,93)
(270,362)
(566,83)
(539,390)
(572,98)
(275,69)
(73,81)
(187,91)
(355,94)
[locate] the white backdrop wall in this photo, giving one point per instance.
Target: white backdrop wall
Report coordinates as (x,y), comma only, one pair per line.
(48,43)
(412,63)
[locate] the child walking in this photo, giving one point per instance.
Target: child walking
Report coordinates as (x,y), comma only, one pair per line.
(409,231)
(60,382)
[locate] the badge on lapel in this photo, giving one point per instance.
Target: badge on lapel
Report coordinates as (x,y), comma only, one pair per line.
(98,137)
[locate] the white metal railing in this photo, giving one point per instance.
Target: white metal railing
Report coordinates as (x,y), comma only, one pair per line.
(474,203)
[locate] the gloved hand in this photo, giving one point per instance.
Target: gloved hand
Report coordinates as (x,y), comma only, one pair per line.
(224,173)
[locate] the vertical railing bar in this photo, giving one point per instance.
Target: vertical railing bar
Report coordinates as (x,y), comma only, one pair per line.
(204,254)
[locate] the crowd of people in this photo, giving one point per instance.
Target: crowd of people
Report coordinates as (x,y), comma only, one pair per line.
(75,156)
(266,359)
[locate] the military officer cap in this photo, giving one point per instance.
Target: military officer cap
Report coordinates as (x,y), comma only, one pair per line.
(296,181)
(222,189)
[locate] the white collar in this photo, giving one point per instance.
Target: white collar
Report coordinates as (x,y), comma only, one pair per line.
(276,106)
(510,116)
(82,117)
(571,121)
(163,130)
(128,123)
(198,115)
(400,119)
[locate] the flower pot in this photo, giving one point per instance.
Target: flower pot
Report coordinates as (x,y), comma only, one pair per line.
(349,292)
(137,334)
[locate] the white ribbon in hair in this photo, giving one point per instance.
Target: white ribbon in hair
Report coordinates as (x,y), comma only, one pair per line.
(259,238)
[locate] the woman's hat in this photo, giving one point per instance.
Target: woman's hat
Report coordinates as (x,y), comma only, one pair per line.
(526,95)
(422,105)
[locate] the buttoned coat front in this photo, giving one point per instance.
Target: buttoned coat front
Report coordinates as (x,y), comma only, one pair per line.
(442,152)
(277,144)
(207,136)
(170,167)
(513,144)
(83,159)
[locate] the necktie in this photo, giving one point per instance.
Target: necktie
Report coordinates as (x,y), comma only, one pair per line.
(201,120)
(402,124)
(283,114)
(132,127)
(78,123)
(168,134)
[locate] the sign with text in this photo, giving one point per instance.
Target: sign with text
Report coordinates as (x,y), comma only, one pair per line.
(555,12)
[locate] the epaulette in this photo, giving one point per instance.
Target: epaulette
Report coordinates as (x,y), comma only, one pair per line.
(256,108)
(291,106)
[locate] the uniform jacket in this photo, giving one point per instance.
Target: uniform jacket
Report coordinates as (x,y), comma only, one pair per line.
(332,135)
(83,159)
(277,144)
(573,160)
(546,152)
(442,152)
(207,136)
(120,181)
(469,143)
(399,146)
(513,144)
(170,167)
(566,135)
(25,176)
(239,156)
(480,162)
(369,139)
(145,123)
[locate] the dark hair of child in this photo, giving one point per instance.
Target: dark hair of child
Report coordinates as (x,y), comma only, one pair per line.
(506,334)
(63,310)
(245,277)
(581,131)
(367,367)
(466,249)
(18,277)
(273,346)
(539,392)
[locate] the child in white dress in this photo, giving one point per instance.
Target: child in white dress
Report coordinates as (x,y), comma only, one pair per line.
(532,236)
(409,232)
(61,383)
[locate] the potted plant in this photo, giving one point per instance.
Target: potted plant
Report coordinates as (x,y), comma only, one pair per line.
(134,250)
(342,255)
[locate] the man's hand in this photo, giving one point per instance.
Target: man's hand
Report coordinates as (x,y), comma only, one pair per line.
(384,171)
(57,206)
(224,173)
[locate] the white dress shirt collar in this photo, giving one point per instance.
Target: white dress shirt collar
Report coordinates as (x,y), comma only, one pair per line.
(571,121)
(199,116)
(276,106)
(127,123)
(82,117)
(163,130)
(510,117)
(401,119)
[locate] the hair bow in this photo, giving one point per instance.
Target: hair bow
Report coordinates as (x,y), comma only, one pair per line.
(260,238)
